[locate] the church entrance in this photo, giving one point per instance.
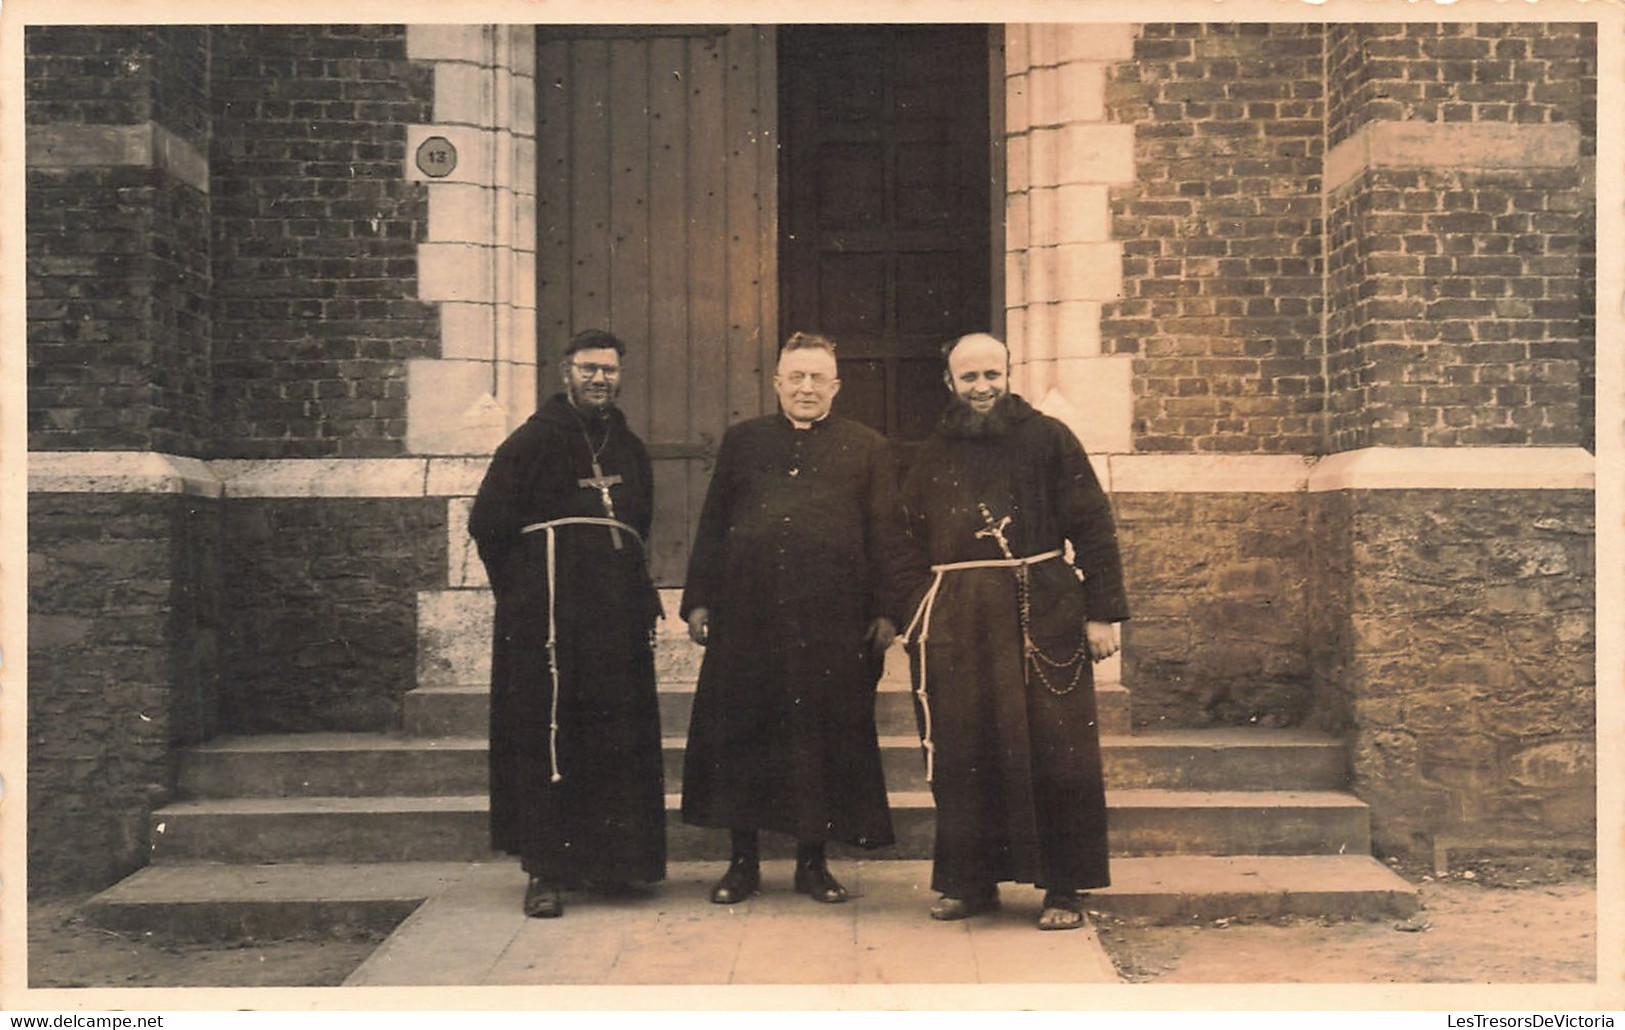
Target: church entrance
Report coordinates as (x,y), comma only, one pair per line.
(704,190)
(884,234)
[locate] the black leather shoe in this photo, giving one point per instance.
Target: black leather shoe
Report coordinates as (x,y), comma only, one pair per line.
(813,879)
(742,879)
(542,900)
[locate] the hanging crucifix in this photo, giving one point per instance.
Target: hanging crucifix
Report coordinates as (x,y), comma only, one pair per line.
(995,530)
(600,482)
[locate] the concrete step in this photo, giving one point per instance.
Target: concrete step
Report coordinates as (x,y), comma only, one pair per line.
(231,902)
(463,710)
(454,827)
(359,764)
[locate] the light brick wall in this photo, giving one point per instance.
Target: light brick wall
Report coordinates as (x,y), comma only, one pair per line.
(1461,200)
(1221,230)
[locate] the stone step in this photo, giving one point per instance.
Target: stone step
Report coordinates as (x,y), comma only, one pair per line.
(454,827)
(463,710)
(234,902)
(359,764)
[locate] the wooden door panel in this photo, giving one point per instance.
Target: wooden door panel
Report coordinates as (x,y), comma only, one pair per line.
(885,187)
(657,220)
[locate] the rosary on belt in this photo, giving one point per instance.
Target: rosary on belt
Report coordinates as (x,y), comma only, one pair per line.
(1032,655)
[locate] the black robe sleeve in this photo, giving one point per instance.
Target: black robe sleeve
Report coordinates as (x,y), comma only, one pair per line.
(1086,520)
(884,541)
(498,512)
(704,580)
(913,575)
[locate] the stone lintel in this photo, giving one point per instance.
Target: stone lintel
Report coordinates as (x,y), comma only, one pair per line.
(143,145)
(1209,473)
(1375,468)
(121,472)
(1464,146)
(323,477)
(1456,468)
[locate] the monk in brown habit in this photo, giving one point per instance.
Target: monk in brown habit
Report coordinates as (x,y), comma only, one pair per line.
(786,589)
(560,520)
(1002,641)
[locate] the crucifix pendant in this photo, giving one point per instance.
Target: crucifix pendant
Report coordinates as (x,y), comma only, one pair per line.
(600,482)
(995,530)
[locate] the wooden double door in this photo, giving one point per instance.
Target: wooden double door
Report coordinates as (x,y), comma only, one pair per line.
(703,191)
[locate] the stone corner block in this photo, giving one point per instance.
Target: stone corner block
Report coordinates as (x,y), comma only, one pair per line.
(454,636)
(473,146)
(450,410)
(463,569)
(447,43)
(1079,41)
(456,271)
(1094,397)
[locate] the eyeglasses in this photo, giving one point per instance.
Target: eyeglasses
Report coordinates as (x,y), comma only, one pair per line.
(818,379)
(588,370)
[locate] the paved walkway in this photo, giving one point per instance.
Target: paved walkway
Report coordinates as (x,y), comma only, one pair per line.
(473,933)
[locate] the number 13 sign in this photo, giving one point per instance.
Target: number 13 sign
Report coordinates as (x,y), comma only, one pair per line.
(437,157)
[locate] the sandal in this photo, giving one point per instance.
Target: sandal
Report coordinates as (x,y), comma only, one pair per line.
(1063,910)
(949,908)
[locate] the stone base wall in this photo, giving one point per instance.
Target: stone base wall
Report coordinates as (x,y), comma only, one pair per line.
(322,608)
(123,668)
(1218,587)
(1468,682)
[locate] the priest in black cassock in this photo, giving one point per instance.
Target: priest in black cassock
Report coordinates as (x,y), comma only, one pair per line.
(560,520)
(797,544)
(1002,640)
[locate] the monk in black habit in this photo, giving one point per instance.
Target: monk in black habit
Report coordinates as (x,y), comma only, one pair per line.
(1002,640)
(786,589)
(577,789)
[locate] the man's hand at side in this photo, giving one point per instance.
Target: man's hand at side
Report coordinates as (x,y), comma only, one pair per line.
(699,625)
(882,631)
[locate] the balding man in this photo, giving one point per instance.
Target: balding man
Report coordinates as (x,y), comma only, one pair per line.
(1002,641)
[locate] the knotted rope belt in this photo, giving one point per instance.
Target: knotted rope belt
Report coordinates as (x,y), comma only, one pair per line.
(551,528)
(922,622)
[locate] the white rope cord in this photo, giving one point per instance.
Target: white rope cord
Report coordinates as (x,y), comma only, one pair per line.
(922,619)
(550,528)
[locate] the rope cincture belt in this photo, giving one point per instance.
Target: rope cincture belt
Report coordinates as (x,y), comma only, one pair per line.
(550,528)
(922,621)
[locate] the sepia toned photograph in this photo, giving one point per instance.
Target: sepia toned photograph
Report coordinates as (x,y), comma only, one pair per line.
(1045,507)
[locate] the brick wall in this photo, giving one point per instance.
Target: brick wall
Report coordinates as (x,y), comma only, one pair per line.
(1525,73)
(315,235)
(1218,584)
(322,609)
(123,656)
(1221,237)
(118,321)
(1472,626)
(1462,300)
(1463,325)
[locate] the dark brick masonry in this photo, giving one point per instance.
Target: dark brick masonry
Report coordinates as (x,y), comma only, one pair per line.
(123,667)
(118,257)
(315,239)
(1218,583)
(1455,643)
(322,609)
